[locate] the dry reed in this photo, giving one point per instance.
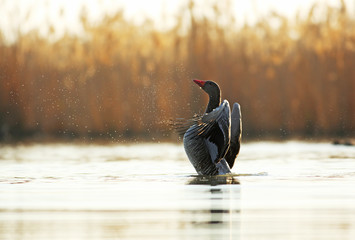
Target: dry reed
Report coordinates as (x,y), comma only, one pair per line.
(124,80)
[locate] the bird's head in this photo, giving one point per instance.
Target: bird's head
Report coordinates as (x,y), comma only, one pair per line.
(210,87)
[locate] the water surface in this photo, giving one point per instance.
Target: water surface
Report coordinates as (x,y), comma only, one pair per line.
(292,190)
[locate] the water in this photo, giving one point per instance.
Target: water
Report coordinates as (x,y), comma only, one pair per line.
(291,190)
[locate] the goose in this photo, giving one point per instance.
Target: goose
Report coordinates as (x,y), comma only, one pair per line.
(212,141)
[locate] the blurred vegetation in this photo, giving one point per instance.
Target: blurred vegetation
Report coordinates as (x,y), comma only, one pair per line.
(292,77)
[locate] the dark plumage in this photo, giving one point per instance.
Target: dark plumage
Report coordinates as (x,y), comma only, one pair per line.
(212,141)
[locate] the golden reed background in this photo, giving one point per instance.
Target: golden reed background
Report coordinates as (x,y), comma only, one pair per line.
(122,81)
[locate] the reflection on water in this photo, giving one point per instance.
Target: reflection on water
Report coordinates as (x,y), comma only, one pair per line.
(148,191)
(213,180)
(184,212)
(217,217)
(224,208)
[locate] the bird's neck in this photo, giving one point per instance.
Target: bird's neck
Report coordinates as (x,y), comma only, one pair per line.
(215,101)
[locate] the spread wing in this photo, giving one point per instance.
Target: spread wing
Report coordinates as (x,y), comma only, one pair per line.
(181,125)
(236,135)
(214,128)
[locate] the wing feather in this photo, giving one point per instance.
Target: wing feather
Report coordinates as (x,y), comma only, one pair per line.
(236,134)
(215,128)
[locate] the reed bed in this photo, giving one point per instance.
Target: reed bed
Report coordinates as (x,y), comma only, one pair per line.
(292,77)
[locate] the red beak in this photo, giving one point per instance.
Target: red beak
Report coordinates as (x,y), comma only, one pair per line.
(201,83)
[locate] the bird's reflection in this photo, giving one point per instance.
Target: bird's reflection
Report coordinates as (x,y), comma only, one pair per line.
(213,180)
(220,217)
